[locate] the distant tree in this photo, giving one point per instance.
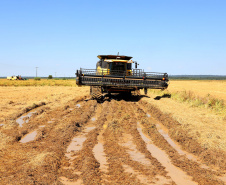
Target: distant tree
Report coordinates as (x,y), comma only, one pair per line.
(50,77)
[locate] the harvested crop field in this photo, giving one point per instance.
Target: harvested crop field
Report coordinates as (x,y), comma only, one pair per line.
(58,135)
(215,88)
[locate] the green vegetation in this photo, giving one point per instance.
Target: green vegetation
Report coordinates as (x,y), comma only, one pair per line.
(37,78)
(63,78)
(207,101)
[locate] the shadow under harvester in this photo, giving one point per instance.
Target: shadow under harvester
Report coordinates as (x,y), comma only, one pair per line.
(120,96)
(163,96)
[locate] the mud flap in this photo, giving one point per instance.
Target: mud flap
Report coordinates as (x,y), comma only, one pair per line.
(145,91)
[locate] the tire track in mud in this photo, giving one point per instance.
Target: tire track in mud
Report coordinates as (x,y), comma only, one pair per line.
(38,161)
(147,169)
(215,159)
(127,165)
(159,175)
(115,152)
(120,153)
(187,162)
(87,142)
(103,158)
(83,164)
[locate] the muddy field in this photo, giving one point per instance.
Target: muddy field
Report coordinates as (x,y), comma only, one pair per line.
(120,140)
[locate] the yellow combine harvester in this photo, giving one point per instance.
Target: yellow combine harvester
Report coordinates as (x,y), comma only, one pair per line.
(15,78)
(114,74)
(11,78)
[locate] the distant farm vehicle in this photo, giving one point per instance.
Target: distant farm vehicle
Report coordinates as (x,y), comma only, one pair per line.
(114,74)
(11,78)
(15,78)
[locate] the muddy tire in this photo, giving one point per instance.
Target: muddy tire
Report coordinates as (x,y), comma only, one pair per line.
(96,92)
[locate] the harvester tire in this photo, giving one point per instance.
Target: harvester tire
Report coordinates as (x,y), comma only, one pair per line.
(96,92)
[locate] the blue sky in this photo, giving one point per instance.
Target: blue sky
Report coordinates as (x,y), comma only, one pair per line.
(173,36)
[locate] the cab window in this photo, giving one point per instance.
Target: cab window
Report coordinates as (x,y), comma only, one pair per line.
(129,66)
(118,66)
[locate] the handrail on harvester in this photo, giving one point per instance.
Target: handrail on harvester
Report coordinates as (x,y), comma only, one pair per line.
(135,73)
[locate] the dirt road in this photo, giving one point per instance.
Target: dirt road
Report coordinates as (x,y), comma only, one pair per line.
(117,141)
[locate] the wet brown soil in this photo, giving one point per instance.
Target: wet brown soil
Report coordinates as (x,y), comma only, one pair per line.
(117,141)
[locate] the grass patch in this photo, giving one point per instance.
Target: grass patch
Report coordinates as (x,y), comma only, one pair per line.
(193,99)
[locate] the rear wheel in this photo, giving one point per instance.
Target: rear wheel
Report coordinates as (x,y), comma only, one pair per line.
(96,92)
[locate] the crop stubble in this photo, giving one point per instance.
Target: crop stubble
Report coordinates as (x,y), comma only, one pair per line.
(115,128)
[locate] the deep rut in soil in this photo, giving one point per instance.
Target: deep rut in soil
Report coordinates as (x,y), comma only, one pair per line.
(179,158)
(113,142)
(127,146)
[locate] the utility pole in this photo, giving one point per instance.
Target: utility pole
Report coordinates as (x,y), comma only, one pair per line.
(36,71)
(55,74)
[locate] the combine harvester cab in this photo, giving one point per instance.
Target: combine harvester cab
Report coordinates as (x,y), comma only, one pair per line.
(114,74)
